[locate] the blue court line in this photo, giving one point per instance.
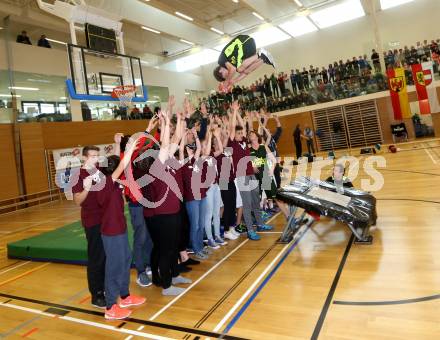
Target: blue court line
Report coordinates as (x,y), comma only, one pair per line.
(261,286)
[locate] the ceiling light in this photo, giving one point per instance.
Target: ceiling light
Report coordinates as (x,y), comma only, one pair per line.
(258,16)
(299,4)
(217,31)
(298,26)
(24,88)
(195,60)
(269,36)
(333,15)
(385,4)
(150,29)
(56,41)
(235,1)
(186,42)
(8,95)
(184,16)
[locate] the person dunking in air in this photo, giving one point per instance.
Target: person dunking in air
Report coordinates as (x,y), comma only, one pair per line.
(239,56)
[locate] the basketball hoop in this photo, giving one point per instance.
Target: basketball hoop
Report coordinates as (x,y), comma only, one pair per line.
(124,93)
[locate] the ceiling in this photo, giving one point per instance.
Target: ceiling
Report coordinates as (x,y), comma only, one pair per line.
(225,15)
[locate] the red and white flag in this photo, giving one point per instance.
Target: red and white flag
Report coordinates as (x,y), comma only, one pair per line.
(423,75)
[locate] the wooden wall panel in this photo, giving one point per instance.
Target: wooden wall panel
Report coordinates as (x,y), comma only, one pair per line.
(69,134)
(34,163)
(8,173)
(288,123)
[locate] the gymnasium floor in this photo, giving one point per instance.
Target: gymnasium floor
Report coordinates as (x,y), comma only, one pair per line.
(321,286)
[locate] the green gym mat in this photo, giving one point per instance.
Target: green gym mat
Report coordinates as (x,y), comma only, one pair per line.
(67,244)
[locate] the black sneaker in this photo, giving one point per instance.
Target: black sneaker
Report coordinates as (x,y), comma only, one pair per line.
(98,301)
(190,262)
(183,269)
(241,228)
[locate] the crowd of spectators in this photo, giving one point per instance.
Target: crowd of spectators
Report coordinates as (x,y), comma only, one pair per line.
(354,77)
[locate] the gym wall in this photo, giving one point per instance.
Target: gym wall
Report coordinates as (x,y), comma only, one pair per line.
(38,137)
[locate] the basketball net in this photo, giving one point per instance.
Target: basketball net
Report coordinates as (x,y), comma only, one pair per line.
(124,93)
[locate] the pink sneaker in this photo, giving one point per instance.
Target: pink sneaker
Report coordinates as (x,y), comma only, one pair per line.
(116,313)
(131,300)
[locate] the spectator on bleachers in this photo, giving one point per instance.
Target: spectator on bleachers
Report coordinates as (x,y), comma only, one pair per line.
(299,80)
(324,75)
(146,113)
(414,56)
(375,60)
(281,83)
(293,82)
(305,78)
(274,84)
(43,42)
(312,75)
(267,90)
(331,73)
(22,38)
(420,52)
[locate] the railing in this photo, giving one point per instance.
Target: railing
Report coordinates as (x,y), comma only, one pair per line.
(30,200)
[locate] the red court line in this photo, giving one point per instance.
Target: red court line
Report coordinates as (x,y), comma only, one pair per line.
(84,300)
(33,330)
(24,274)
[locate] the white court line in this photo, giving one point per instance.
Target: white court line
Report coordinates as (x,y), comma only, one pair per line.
(203,276)
(430,156)
(131,336)
(85,322)
(178,297)
(250,289)
(17,266)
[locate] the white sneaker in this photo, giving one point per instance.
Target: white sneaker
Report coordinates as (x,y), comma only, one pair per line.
(235,232)
(266,57)
(230,236)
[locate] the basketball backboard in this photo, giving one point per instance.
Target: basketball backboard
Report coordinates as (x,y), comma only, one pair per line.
(95,74)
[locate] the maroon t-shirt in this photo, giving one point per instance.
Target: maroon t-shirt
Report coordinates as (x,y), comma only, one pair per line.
(225,168)
(163,188)
(91,212)
(110,199)
(192,174)
(241,150)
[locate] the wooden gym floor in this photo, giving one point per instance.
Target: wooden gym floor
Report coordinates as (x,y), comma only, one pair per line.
(323,286)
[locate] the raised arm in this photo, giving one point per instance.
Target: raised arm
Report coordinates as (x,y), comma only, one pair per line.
(233,121)
(276,136)
(198,145)
(217,135)
(182,147)
(207,149)
(165,140)
(117,138)
(129,149)
(268,139)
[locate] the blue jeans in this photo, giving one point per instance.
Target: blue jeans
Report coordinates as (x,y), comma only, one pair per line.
(196,213)
(212,216)
(117,267)
(142,244)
